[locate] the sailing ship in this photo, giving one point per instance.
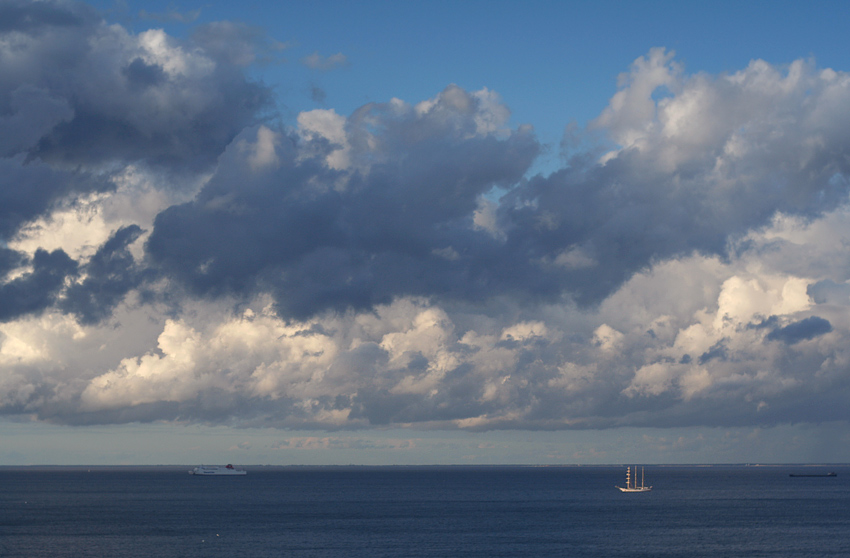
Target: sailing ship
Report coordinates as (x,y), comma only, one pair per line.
(631,485)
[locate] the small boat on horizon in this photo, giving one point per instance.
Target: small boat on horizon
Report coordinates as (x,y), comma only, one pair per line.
(631,486)
(213,470)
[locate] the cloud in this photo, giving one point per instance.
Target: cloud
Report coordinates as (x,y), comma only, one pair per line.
(111,96)
(316,61)
(693,171)
(109,275)
(28,191)
(357,373)
(352,212)
(317,94)
(33,113)
(412,363)
(171,15)
(805,329)
(337,443)
(20,15)
(38,289)
(237,43)
(79,101)
(170,253)
(365,208)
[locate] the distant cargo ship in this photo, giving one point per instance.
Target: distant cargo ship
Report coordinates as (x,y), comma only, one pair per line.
(212,470)
(813,475)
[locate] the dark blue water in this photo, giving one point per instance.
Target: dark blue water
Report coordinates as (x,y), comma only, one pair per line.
(409,512)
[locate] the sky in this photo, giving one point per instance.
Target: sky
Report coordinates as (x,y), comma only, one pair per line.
(407,233)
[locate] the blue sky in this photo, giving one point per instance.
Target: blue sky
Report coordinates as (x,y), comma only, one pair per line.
(424,232)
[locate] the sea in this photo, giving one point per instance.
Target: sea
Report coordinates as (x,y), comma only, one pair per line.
(716,512)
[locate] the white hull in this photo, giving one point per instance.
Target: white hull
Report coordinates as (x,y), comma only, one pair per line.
(212,471)
(638,489)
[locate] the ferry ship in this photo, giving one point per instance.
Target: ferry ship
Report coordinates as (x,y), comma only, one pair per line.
(210,470)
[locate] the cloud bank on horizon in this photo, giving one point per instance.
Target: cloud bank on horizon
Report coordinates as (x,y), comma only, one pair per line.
(170,251)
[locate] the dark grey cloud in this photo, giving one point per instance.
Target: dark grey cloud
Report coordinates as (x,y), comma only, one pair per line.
(808,328)
(109,275)
(111,97)
(29,191)
(37,290)
(94,137)
(717,351)
(141,75)
(385,234)
(9,260)
(829,292)
(26,193)
(27,16)
(34,112)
